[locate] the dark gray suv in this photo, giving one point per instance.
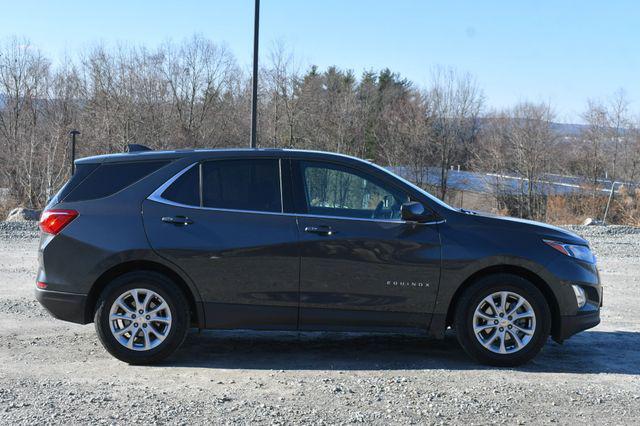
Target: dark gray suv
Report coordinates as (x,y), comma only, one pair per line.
(148,244)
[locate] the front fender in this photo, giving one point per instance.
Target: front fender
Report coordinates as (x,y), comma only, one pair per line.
(455,279)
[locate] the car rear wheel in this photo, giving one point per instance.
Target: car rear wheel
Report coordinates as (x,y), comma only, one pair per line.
(502,320)
(141,317)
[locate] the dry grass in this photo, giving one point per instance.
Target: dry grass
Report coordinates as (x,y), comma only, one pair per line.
(574,209)
(624,209)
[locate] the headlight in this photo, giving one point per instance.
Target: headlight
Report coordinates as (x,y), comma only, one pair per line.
(573,250)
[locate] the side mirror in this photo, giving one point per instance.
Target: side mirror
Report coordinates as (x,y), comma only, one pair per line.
(414,212)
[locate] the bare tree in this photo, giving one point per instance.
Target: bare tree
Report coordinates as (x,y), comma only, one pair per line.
(519,142)
(197,72)
(24,76)
(283,81)
(619,124)
(456,103)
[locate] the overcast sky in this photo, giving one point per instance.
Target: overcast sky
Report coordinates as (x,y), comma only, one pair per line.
(563,52)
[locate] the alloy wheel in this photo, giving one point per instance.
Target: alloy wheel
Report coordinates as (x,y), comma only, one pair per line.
(140,319)
(504,322)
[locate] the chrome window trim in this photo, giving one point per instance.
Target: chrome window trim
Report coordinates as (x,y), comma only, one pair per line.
(200,185)
(157,197)
(281,186)
(157,194)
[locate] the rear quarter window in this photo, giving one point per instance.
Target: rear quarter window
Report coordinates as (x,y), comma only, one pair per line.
(186,189)
(110,178)
(81,172)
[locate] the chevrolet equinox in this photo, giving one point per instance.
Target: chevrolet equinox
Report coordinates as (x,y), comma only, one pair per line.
(148,244)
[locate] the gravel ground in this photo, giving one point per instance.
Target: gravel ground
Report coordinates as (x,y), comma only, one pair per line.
(56,372)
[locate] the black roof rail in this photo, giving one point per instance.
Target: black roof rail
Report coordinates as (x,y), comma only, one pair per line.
(134,147)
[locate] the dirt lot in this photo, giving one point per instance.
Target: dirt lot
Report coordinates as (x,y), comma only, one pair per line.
(55,372)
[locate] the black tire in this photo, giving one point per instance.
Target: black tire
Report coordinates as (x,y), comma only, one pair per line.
(484,287)
(171,294)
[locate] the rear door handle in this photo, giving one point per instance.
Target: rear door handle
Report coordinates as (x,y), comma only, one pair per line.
(320,230)
(177,220)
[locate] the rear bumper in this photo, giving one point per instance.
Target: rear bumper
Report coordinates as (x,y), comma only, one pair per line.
(64,306)
(572,324)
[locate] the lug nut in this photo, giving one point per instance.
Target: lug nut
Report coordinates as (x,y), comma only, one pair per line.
(144,325)
(135,324)
(510,327)
(501,315)
(148,317)
(133,316)
(510,317)
(141,312)
(501,328)
(496,321)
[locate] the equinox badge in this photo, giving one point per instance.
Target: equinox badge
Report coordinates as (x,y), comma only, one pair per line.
(406,284)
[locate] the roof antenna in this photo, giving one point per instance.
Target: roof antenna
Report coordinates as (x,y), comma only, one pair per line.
(134,147)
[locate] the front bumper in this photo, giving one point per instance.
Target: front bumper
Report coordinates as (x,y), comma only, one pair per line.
(572,324)
(571,319)
(64,306)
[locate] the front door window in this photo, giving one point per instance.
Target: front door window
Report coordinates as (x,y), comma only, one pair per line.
(337,191)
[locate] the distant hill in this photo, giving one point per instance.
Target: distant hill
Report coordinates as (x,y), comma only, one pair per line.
(562,129)
(568,129)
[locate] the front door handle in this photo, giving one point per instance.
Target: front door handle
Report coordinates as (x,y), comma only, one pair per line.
(177,220)
(320,230)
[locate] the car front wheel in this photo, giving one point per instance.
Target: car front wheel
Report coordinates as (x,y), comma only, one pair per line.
(141,317)
(502,320)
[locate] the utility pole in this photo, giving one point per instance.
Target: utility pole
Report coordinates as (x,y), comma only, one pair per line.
(73,134)
(606,210)
(254,93)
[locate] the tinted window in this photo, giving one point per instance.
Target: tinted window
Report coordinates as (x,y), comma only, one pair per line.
(186,189)
(81,172)
(108,179)
(242,185)
(335,191)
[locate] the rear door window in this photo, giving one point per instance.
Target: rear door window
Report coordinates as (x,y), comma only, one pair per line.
(252,184)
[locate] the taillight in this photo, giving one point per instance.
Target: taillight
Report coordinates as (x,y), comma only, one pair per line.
(41,284)
(53,221)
